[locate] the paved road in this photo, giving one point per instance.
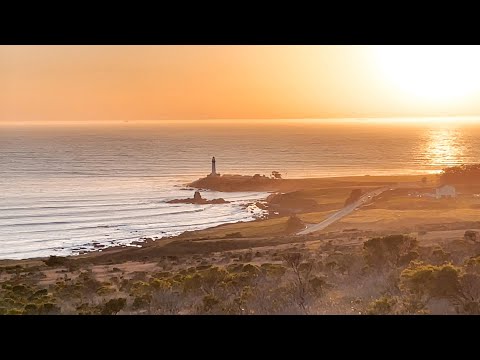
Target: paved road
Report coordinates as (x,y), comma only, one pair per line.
(364,199)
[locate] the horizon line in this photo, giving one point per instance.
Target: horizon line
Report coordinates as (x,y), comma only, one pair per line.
(356,118)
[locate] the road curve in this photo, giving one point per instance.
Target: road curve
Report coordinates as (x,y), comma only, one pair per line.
(363,200)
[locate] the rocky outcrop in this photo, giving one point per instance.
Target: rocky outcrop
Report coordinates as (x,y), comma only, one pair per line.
(197,199)
(294,224)
(228,183)
(289,203)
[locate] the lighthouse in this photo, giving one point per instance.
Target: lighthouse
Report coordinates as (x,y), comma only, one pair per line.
(214,169)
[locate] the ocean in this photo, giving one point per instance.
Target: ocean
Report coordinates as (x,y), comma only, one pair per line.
(66,187)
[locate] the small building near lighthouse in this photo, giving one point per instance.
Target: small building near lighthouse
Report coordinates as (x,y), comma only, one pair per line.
(445,191)
(214,168)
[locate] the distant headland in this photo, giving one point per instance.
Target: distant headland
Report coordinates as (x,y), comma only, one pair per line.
(276,183)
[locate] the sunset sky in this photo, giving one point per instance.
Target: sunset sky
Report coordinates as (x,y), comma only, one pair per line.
(235,82)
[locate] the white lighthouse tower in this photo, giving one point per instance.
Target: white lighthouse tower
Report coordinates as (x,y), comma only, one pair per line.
(214,169)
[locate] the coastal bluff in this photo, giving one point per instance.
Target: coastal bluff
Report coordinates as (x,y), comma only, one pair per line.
(230,183)
(197,199)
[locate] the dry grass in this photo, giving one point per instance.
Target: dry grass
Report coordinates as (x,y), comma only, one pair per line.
(432,216)
(393,179)
(258,228)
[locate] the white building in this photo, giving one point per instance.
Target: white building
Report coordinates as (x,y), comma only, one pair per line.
(445,191)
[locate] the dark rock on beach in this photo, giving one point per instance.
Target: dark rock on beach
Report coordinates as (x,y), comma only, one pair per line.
(197,199)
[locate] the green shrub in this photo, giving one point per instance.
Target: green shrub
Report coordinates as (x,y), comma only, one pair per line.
(431,280)
(233,235)
(209,301)
(40,293)
(249,268)
(407,258)
(439,255)
(141,302)
(389,250)
(382,306)
(113,306)
(49,308)
(31,309)
(55,261)
(139,288)
(192,282)
(87,309)
(161,284)
(235,268)
(15,312)
(105,290)
(317,284)
(20,290)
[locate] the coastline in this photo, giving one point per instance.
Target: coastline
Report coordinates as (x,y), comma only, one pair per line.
(152,276)
(231,183)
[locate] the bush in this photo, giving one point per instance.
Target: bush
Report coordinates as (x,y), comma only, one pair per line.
(471,235)
(431,280)
(30,309)
(141,302)
(49,308)
(317,284)
(439,256)
(251,269)
(276,270)
(463,174)
(233,235)
(40,293)
(113,306)
(15,312)
(21,290)
(382,306)
(389,250)
(209,301)
(55,261)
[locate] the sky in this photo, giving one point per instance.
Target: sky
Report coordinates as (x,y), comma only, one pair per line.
(72,83)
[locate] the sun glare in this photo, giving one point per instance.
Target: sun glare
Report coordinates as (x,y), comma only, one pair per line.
(432,73)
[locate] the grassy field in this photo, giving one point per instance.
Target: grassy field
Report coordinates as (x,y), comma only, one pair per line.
(385,220)
(247,183)
(260,228)
(431,178)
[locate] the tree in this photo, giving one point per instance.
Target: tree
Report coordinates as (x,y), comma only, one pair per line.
(302,271)
(355,194)
(431,281)
(113,306)
(462,174)
(276,175)
(55,261)
(390,250)
(294,224)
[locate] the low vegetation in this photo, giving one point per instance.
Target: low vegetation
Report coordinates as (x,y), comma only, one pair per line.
(385,275)
(462,174)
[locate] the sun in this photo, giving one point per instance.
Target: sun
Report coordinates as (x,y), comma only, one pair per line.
(434,73)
